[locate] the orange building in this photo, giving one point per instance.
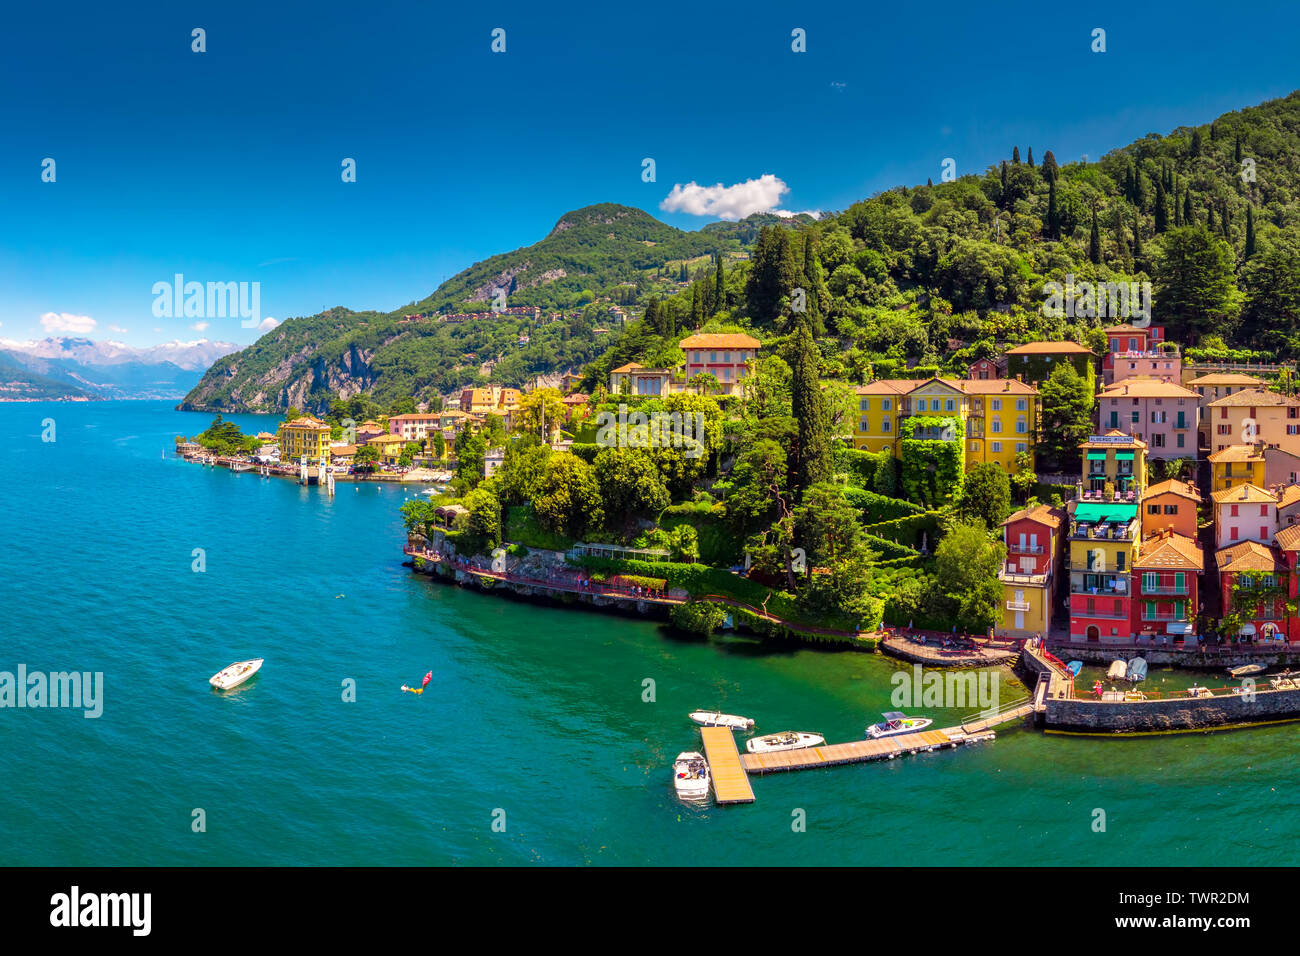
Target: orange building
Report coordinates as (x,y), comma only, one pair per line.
(1172,505)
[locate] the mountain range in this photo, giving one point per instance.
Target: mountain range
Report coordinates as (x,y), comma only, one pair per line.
(65,368)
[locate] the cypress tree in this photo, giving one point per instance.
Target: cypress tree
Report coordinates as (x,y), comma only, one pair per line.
(683,275)
(1015,155)
(929,181)
(719,287)
(1189,216)
(1094,241)
(1161,213)
(651,317)
(811,461)
(1137,237)
(697,305)
(1031,157)
(1053,216)
(1250,231)
(1050,169)
(1236,152)
(1209,223)
(1004,182)
(1196,143)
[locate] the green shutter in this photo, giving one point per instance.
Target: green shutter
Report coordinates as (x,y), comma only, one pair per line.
(1180,580)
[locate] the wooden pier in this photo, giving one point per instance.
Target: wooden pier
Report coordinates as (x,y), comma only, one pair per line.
(858,751)
(730,784)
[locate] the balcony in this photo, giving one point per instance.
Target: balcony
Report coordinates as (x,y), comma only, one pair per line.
(1167,616)
(1025,548)
(1017,605)
(1114,590)
(1170,589)
(1012,576)
(1104,532)
(1098,615)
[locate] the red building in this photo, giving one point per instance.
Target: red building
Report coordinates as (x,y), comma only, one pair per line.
(1165,586)
(1261,568)
(984,368)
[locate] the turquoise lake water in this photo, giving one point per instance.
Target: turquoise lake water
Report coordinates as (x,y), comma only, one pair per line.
(534,711)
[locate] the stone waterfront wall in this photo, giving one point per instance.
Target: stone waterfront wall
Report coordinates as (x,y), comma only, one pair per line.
(1156,654)
(1094,716)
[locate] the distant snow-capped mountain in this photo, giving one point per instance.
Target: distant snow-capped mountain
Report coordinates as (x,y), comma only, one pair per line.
(76,368)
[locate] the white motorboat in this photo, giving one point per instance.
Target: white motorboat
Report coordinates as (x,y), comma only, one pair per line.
(786,740)
(1195,691)
(1118,670)
(714,718)
(1137,670)
(896,723)
(691,776)
(1245,670)
(235,674)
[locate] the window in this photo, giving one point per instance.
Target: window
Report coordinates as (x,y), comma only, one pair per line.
(1293,429)
(1263,533)
(864,405)
(997,447)
(996,427)
(1267,581)
(1223,430)
(920,404)
(1020,446)
(997,404)
(1263,511)
(713,356)
(1137,417)
(864,426)
(1180,582)
(1233,513)
(1021,405)
(1158,440)
(950,405)
(886,425)
(1150,581)
(1119,561)
(1171,509)
(886,404)
(1180,438)
(1022,427)
(1235,535)
(1247,581)
(1153,509)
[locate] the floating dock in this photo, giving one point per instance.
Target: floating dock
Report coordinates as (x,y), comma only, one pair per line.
(730,784)
(858,751)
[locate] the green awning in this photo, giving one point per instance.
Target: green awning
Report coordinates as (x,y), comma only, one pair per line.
(1123,456)
(1098,456)
(1097,511)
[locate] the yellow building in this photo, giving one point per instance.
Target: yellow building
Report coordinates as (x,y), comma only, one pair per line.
(1033,542)
(1000,415)
(1117,461)
(305,437)
(390,447)
(1253,415)
(491,400)
(1237,465)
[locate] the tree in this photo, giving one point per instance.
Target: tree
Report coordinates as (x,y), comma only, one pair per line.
(832,537)
(484,518)
(811,461)
(1030,159)
(1015,155)
(986,494)
(1050,169)
(1161,213)
(439,445)
(523,469)
(1189,214)
(367,457)
(1250,227)
(568,499)
(1196,290)
(1067,402)
(967,562)
(409,451)
(1272,283)
(1053,215)
(758,487)
(719,285)
(471,450)
(772,275)
(630,485)
(1094,241)
(541,412)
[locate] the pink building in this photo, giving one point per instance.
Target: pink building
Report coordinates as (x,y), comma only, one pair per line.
(725,357)
(415,427)
(1244,513)
(1162,414)
(1140,351)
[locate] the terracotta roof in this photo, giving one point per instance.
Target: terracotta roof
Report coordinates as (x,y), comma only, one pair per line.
(1288,496)
(412,416)
(1129,328)
(716,341)
(889,386)
(1139,387)
(1253,396)
(1247,494)
(1288,539)
(1050,348)
(1247,556)
(1172,487)
(1226,378)
(1237,453)
(1171,550)
(990,386)
(1043,514)
(387,440)
(627,368)
(315,424)
(343,450)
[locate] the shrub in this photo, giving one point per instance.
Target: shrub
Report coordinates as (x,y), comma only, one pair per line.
(698,617)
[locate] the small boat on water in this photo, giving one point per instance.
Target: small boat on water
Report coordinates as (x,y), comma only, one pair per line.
(715,718)
(1245,670)
(235,674)
(691,776)
(1074,667)
(241,466)
(786,740)
(1118,670)
(896,723)
(1137,669)
(1195,691)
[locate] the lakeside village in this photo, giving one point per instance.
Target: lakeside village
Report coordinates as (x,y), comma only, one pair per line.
(905,515)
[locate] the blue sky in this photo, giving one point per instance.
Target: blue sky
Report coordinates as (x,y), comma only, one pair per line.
(225,165)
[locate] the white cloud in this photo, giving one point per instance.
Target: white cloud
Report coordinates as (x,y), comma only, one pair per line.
(267,324)
(67,322)
(200,326)
(728,202)
(117,328)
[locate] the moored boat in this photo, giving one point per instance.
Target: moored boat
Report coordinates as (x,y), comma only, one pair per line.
(1195,691)
(1245,670)
(896,723)
(715,718)
(235,674)
(1074,667)
(1137,669)
(1118,670)
(786,740)
(691,776)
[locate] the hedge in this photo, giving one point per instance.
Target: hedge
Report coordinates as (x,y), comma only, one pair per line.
(1044,490)
(587,451)
(875,471)
(908,529)
(874,508)
(932,470)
